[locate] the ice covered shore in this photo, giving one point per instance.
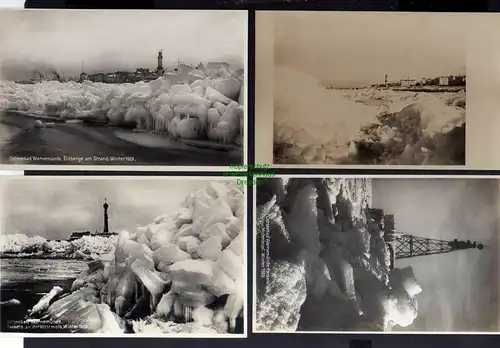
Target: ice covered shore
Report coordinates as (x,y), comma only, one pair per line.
(86,248)
(193,103)
(183,273)
(313,124)
(327,266)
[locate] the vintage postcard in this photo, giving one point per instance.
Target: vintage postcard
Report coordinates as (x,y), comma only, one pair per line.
(358,89)
(380,90)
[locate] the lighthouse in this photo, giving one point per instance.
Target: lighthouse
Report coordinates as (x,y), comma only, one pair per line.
(105,230)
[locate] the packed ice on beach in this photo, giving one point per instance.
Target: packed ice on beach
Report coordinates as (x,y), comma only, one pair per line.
(196,103)
(182,273)
(314,124)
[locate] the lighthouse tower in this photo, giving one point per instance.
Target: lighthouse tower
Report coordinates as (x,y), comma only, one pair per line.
(357,343)
(105,230)
(159,68)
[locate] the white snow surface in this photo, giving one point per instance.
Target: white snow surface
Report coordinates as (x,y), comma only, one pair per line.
(178,104)
(321,123)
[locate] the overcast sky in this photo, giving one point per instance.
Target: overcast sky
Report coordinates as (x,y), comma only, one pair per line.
(116,40)
(460,289)
(353,49)
(54,208)
(298,341)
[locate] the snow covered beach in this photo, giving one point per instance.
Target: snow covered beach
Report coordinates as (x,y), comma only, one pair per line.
(313,124)
(200,106)
(181,274)
(324,267)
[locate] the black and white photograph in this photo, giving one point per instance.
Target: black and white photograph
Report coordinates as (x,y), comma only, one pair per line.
(359,88)
(147,88)
(113,256)
(351,254)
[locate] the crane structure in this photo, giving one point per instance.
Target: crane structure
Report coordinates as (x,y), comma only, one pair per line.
(407,246)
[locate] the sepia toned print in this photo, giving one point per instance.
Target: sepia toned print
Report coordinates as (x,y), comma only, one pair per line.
(114,256)
(109,93)
(369,89)
(377,254)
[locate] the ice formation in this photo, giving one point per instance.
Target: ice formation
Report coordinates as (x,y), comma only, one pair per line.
(44,302)
(313,124)
(194,103)
(181,273)
(86,248)
(326,266)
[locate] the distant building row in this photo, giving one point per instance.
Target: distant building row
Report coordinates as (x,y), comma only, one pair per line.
(105,231)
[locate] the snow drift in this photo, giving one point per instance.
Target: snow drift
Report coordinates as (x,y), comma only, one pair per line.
(313,124)
(183,273)
(328,268)
(193,103)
